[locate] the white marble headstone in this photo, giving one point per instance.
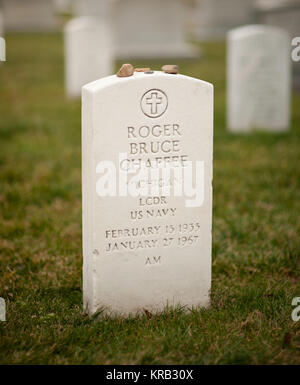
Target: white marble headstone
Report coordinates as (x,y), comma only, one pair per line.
(146,243)
(258,79)
(88,53)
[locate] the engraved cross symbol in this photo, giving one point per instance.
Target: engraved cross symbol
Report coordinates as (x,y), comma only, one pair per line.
(154,101)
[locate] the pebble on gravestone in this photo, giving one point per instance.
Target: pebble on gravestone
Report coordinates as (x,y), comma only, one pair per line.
(147,149)
(125,71)
(258,79)
(170,69)
(142,69)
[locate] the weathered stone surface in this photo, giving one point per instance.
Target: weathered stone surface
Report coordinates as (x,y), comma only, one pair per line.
(125,71)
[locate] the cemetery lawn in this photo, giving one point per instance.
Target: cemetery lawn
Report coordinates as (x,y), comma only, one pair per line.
(256,233)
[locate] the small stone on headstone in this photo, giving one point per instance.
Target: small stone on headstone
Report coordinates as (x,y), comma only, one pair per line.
(142,69)
(125,71)
(170,69)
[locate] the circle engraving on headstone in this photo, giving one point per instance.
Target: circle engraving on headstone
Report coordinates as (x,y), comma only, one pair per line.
(154,103)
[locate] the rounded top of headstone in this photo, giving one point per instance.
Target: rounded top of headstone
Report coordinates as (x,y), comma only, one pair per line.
(255,29)
(83,22)
(273,5)
(154,77)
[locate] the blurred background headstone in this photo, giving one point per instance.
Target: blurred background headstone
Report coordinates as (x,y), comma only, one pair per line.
(88,53)
(150,29)
(214,18)
(284,14)
(258,79)
(142,28)
(29,15)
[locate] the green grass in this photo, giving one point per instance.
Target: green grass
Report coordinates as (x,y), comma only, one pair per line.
(256,233)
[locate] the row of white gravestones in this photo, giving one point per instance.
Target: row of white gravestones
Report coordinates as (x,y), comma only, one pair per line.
(258,79)
(93,42)
(88,53)
(147,173)
(143,29)
(147,144)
